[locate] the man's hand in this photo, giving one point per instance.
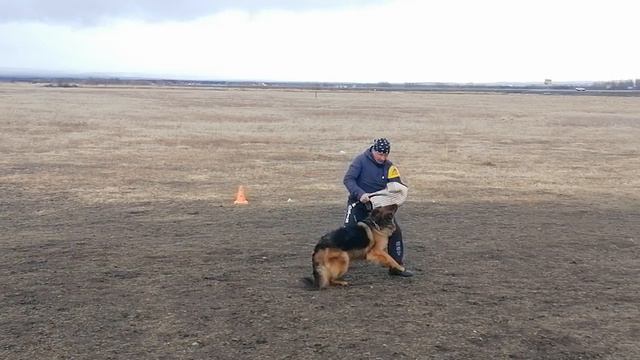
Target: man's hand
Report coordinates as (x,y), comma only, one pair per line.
(364,198)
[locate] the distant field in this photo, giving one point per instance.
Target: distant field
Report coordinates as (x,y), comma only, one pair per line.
(121,144)
(119,237)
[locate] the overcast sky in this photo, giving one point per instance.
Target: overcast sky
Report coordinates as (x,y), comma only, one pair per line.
(326,40)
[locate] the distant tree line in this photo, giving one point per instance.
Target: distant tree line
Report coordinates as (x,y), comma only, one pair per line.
(631,84)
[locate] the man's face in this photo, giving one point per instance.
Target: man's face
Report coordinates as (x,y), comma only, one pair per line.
(379,157)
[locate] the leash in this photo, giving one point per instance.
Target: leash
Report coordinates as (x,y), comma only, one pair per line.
(351,206)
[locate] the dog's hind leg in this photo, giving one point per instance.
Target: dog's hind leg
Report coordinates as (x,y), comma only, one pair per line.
(339,266)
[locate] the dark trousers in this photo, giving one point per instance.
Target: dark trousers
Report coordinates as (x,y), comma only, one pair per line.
(358,211)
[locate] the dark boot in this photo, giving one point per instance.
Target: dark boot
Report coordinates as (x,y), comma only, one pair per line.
(396,272)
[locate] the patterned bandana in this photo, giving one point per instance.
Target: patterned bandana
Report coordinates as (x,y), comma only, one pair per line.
(382,145)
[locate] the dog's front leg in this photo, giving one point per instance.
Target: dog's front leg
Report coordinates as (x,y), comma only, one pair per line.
(383,258)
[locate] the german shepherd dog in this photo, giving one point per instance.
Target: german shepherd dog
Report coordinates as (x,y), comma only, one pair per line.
(366,241)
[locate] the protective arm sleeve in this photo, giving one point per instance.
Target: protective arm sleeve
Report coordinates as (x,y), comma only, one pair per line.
(394,175)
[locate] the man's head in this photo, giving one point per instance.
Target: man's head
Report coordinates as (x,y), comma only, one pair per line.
(380,150)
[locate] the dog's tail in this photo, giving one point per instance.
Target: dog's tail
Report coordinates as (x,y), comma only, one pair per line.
(313,283)
(309,283)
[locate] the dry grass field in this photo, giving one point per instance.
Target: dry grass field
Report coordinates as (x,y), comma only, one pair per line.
(119,238)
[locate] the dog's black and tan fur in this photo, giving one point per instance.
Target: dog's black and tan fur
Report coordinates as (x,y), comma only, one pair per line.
(367,241)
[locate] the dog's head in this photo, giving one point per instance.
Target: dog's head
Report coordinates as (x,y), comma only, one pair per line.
(383,217)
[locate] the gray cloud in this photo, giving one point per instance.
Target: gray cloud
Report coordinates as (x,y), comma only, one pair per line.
(89,12)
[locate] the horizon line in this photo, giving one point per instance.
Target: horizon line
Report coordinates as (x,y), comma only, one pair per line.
(7,72)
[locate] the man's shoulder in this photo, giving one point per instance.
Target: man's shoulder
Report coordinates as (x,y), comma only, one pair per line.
(361,157)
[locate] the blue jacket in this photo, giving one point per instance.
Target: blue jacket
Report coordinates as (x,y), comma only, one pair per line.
(365,175)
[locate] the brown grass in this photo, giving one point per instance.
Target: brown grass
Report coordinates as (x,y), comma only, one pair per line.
(125,144)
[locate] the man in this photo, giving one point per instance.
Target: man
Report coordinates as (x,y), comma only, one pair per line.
(370,172)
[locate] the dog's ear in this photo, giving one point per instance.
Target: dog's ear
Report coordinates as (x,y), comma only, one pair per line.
(376,214)
(389,209)
(391,212)
(385,213)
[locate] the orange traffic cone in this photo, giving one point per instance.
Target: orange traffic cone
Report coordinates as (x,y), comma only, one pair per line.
(240,198)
